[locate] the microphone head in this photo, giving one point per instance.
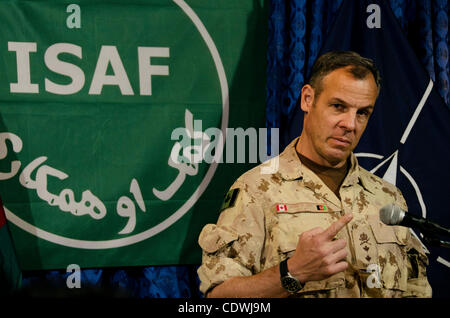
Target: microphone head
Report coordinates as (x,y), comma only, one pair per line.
(391,214)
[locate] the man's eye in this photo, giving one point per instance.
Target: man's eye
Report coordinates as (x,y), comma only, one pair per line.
(338,106)
(364,113)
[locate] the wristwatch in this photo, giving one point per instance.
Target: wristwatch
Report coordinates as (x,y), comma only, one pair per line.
(289,282)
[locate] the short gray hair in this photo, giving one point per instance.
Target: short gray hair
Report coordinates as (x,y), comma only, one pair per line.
(330,61)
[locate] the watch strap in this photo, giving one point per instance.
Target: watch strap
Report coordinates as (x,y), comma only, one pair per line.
(284,268)
(289,282)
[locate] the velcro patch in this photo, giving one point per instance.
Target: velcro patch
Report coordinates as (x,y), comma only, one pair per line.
(230,199)
(303,207)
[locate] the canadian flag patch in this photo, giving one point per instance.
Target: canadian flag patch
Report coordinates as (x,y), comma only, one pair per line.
(281,208)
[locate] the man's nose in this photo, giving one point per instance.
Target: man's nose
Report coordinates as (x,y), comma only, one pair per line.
(348,121)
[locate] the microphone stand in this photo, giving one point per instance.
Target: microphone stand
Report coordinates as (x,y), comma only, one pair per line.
(433,240)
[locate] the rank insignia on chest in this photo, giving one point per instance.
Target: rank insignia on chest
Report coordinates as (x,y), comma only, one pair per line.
(322,207)
(230,199)
(281,208)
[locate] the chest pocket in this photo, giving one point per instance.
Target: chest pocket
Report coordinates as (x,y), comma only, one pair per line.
(292,221)
(392,258)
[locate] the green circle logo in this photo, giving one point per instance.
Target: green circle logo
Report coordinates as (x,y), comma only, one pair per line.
(89,158)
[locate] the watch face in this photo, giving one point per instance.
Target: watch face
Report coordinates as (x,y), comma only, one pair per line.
(291,284)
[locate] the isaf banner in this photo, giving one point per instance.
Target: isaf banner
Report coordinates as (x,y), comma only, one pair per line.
(113,122)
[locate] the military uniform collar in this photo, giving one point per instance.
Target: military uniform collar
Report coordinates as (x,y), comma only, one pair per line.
(290,168)
(290,164)
(355,176)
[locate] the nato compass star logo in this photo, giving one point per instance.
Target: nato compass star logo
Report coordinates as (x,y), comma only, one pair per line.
(393,167)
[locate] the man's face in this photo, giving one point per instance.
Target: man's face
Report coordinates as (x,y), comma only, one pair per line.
(335,120)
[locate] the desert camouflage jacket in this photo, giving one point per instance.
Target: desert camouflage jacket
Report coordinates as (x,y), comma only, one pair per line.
(264,213)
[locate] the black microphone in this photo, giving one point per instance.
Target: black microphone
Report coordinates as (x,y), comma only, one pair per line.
(392,214)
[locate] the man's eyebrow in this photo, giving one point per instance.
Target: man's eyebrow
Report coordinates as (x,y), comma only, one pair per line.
(337,100)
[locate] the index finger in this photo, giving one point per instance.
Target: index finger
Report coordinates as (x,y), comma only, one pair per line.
(334,228)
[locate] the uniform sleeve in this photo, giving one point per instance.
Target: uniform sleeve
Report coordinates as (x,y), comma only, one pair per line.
(233,246)
(417,262)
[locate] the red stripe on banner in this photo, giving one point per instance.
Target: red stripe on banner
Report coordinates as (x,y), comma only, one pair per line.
(2,214)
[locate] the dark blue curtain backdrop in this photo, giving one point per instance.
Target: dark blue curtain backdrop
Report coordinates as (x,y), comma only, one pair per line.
(297,29)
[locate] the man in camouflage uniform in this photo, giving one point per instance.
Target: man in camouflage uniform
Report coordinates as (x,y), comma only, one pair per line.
(317,216)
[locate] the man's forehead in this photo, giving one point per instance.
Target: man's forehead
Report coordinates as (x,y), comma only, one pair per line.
(345,73)
(341,84)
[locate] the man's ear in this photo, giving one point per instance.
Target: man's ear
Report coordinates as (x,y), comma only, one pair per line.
(307,99)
